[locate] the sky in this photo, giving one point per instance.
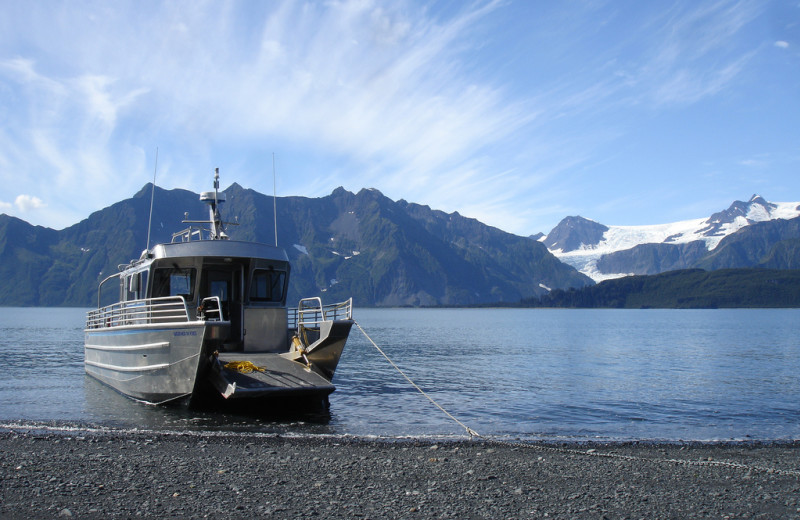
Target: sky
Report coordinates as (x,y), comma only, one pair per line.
(515,112)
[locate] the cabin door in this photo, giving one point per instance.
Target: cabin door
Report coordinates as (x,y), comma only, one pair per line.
(227,286)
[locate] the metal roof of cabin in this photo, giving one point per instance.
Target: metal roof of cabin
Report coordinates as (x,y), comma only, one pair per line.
(220,248)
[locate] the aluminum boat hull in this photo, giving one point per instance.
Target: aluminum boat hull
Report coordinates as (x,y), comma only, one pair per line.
(153,363)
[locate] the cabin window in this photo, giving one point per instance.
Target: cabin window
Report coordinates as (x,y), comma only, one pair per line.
(267,286)
(219,288)
(142,284)
(133,286)
(174,282)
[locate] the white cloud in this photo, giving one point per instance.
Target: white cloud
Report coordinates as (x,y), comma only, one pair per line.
(63,136)
(99,100)
(782,44)
(399,96)
(23,71)
(382,85)
(28,203)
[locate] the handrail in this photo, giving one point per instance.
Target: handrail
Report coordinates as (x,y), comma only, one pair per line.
(139,312)
(100,285)
(186,235)
(311,312)
(204,310)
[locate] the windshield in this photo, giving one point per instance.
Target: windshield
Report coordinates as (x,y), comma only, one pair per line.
(267,285)
(174,281)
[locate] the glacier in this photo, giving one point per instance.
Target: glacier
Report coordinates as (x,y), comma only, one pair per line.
(708,230)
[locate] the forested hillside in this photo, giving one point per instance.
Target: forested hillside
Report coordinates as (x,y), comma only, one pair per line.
(684,289)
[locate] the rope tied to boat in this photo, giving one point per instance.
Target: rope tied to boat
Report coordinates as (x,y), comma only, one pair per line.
(244,367)
(470,431)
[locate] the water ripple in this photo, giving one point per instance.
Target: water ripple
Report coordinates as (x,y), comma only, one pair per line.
(540,374)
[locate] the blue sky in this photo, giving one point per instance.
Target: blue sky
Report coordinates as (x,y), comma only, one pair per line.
(517,113)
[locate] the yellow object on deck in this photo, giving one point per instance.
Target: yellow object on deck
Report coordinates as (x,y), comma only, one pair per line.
(245,367)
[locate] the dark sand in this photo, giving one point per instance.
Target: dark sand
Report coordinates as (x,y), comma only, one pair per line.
(114,474)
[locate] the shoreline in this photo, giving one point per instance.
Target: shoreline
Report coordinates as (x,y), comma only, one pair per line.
(106,473)
(70,427)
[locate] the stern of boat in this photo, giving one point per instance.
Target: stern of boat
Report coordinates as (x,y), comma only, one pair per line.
(305,367)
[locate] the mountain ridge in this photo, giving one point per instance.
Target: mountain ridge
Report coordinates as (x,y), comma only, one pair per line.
(363,244)
(652,249)
(389,253)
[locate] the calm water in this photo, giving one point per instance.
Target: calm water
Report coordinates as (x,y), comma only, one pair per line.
(507,373)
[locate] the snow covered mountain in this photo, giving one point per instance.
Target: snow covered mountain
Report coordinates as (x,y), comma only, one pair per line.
(603,252)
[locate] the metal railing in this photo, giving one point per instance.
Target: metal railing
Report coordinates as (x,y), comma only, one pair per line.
(310,312)
(186,235)
(210,309)
(139,312)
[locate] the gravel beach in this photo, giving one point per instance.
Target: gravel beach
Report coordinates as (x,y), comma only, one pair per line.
(118,474)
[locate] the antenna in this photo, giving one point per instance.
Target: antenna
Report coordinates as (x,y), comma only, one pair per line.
(274,201)
(152,196)
(215,217)
(214,199)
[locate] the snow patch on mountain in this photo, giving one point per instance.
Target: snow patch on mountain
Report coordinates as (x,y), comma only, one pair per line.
(709,230)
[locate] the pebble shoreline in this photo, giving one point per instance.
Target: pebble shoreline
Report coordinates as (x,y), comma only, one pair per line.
(123,474)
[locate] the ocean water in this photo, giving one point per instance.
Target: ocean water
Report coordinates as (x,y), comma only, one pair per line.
(505,373)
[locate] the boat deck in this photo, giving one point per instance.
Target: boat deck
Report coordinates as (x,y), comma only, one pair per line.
(278,376)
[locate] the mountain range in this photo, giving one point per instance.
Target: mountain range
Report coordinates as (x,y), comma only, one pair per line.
(380,252)
(756,233)
(391,253)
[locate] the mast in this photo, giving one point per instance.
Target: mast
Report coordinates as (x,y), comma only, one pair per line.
(214,199)
(217,226)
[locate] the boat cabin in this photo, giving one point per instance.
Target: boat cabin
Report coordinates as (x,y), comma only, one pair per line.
(238,282)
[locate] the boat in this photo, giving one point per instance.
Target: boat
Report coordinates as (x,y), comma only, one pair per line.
(204,318)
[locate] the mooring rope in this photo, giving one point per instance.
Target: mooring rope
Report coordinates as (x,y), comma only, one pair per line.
(658,460)
(470,431)
(245,367)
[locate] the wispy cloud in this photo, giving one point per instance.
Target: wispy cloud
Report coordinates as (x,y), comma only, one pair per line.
(401,96)
(693,56)
(684,86)
(759,162)
(382,85)
(63,138)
